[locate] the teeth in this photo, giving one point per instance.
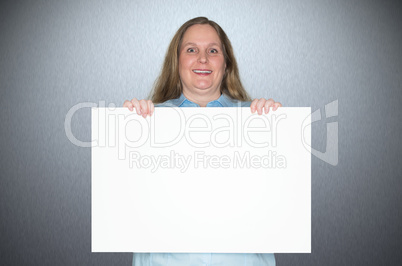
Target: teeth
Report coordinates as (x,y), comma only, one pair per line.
(202,71)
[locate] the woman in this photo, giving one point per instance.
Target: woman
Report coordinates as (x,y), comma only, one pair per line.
(200,70)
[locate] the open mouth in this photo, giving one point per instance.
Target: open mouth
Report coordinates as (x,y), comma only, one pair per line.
(199,71)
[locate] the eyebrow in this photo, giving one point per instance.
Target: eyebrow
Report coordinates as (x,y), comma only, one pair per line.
(191,43)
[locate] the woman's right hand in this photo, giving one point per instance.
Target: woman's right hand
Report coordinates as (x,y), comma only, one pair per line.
(142,107)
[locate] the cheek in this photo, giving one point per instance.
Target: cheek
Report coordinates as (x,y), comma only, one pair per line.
(220,64)
(180,63)
(184,62)
(182,68)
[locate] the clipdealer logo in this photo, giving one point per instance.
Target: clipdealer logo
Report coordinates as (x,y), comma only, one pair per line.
(117,137)
(330,155)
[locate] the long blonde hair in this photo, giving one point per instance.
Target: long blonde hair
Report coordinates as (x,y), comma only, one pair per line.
(168,84)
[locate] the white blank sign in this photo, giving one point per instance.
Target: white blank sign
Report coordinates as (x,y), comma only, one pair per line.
(218,180)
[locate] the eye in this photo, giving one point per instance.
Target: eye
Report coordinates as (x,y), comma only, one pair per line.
(191,50)
(213,51)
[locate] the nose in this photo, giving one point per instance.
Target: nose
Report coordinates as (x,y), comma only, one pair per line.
(202,57)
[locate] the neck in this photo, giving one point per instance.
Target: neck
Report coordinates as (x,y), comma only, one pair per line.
(202,100)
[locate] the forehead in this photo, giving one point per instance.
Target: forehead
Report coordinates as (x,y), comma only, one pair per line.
(201,34)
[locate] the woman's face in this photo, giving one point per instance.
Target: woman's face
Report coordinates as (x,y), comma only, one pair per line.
(201,63)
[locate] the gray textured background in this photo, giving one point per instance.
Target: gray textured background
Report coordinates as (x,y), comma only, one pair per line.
(55,54)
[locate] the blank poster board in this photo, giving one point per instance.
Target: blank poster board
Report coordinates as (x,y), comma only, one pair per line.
(213,180)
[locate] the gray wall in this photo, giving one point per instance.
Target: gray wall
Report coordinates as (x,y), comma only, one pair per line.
(55,54)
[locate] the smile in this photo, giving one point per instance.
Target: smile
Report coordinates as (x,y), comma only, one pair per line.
(202,71)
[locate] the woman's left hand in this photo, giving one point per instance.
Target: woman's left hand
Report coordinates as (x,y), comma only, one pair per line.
(259,104)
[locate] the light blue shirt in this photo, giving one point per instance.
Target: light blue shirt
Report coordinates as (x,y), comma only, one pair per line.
(222,101)
(204,259)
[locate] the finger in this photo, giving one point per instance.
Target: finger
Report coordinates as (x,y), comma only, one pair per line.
(276,105)
(136,105)
(151,107)
(144,108)
(149,103)
(128,104)
(268,103)
(260,104)
(253,105)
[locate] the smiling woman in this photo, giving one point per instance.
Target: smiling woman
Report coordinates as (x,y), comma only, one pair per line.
(169,83)
(201,64)
(200,70)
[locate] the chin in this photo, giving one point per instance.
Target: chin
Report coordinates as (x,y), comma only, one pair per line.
(204,89)
(203,86)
